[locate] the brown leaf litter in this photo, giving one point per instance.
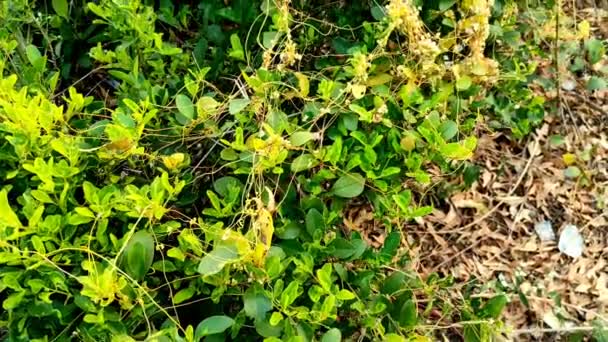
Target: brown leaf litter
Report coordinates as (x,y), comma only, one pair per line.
(487,233)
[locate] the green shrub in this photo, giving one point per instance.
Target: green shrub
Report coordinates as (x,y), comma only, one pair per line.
(179,171)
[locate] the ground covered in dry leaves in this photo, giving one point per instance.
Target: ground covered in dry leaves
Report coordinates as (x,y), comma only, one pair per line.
(487,234)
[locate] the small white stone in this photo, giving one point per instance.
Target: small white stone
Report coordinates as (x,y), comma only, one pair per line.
(544,230)
(569,85)
(571,242)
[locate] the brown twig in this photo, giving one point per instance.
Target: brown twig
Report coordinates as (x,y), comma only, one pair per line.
(592,105)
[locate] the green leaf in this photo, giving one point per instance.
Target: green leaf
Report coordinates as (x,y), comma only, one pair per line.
(421,211)
(290,231)
(303,162)
(290,294)
(455,151)
(314,222)
(364,114)
(572,172)
(315,293)
(176,253)
(328,305)
(556,140)
(596,83)
(275,318)
(8,218)
(332,335)
(600,331)
(206,106)
(139,254)
(403,199)
(215,261)
(343,248)
(256,305)
(229,154)
(264,328)
(446,4)
(463,83)
(269,39)
(183,295)
(60,7)
(237,51)
(494,306)
(324,276)
(394,283)
(13,300)
(595,50)
(301,138)
(408,314)
(448,130)
(393,338)
(378,12)
(391,245)
(185,106)
(345,295)
(213,325)
(237,105)
(349,185)
(34,57)
(225,184)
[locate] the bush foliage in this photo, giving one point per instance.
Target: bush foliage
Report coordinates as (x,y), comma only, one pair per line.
(183,170)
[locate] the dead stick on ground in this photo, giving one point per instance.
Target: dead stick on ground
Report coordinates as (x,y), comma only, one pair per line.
(591,104)
(550,330)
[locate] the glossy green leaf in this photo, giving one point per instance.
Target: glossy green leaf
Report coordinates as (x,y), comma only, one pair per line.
(314,222)
(455,151)
(237,51)
(185,106)
(408,314)
(595,50)
(446,4)
(13,300)
(393,338)
(225,184)
(463,83)
(183,295)
(332,335)
(301,138)
(349,185)
(324,276)
(342,248)
(393,283)
(596,83)
(494,306)
(8,218)
(448,129)
(345,295)
(60,7)
(275,318)
(213,325)
(403,200)
(215,260)
(572,172)
(139,254)
(256,304)
(238,105)
(290,294)
(303,162)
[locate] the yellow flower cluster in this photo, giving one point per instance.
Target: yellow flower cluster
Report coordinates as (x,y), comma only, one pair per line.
(476,25)
(404,16)
(289,56)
